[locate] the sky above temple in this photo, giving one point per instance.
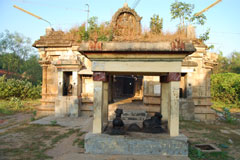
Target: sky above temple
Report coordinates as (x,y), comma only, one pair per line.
(223,19)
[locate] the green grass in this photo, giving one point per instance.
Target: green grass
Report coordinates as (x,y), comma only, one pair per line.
(195,154)
(12,106)
(220,105)
(65,135)
(26,142)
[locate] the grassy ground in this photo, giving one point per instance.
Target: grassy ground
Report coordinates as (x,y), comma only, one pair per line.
(218,105)
(12,106)
(32,141)
(207,133)
(21,140)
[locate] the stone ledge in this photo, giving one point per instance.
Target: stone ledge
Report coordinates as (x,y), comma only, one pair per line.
(136,144)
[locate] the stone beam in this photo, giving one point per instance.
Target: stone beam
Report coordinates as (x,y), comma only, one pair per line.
(100,76)
(133,66)
(174,76)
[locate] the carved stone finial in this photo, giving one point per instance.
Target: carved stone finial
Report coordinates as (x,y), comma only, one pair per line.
(126,24)
(125,5)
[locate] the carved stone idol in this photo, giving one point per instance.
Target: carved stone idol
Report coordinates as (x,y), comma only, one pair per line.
(118,123)
(153,125)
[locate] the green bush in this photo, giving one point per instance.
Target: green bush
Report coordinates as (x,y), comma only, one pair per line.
(18,88)
(225,87)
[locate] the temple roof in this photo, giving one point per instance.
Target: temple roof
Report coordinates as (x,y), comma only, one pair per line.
(55,39)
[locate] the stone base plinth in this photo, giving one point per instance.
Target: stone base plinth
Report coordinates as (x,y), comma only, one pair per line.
(136,144)
(45,110)
(67,106)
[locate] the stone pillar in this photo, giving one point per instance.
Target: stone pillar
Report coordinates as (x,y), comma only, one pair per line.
(173,119)
(60,83)
(44,80)
(164,100)
(75,82)
(105,103)
(170,97)
(99,78)
(110,83)
(98,107)
(173,106)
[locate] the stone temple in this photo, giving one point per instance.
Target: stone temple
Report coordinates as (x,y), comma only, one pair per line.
(94,78)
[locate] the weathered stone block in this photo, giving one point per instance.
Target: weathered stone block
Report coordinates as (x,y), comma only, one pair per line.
(107,144)
(210,117)
(201,117)
(67,106)
(152,100)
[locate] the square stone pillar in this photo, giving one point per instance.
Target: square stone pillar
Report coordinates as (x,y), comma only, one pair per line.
(98,107)
(100,103)
(75,82)
(170,98)
(164,100)
(173,110)
(105,102)
(60,83)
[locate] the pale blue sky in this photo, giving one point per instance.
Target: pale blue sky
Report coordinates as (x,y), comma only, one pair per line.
(223,19)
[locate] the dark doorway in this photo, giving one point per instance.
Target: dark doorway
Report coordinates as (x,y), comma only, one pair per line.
(123,86)
(128,86)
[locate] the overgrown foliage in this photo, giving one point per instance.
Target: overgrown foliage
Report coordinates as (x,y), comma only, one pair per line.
(225,87)
(228,64)
(17,56)
(156,24)
(184,12)
(18,88)
(102,32)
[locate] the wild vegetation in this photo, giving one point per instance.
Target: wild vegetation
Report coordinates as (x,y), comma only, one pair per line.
(225,83)
(22,79)
(18,57)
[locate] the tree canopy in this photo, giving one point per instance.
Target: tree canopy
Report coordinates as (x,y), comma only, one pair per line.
(17,56)
(184,12)
(156,24)
(228,64)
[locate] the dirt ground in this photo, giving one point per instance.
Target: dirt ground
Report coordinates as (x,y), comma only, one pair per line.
(21,140)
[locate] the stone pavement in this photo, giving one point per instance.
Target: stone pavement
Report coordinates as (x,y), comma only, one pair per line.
(83,122)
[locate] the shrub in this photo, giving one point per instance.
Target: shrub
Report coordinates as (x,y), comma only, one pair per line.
(225,87)
(18,88)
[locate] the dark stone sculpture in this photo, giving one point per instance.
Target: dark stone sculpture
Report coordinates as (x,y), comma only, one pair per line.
(153,125)
(134,128)
(118,123)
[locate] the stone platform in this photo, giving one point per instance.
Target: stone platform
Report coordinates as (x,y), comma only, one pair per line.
(136,143)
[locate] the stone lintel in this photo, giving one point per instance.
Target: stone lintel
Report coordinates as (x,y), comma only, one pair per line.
(100,76)
(139,46)
(172,76)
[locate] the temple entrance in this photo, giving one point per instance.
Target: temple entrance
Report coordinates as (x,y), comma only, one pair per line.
(128,86)
(123,86)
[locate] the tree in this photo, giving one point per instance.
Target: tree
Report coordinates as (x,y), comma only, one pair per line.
(17,56)
(156,24)
(228,64)
(184,12)
(15,43)
(234,62)
(10,62)
(32,70)
(223,64)
(205,36)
